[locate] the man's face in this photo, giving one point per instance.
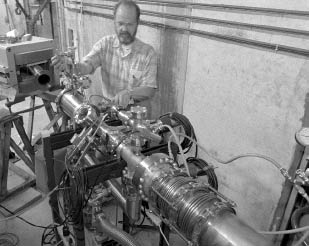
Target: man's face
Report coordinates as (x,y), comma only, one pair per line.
(126,24)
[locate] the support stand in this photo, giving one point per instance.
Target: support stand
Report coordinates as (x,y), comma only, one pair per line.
(7,120)
(6,123)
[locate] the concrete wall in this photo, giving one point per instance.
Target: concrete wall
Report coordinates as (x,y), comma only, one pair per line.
(240,99)
(249,100)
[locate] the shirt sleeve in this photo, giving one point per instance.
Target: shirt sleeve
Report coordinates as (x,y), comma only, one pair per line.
(95,57)
(149,75)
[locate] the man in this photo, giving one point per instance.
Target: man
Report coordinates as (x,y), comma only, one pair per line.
(128,66)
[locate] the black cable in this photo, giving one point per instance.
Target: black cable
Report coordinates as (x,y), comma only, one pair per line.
(188,128)
(58,198)
(296,219)
(183,121)
(43,239)
(100,151)
(72,184)
(61,189)
(205,169)
(52,234)
(78,189)
(94,184)
(52,227)
(144,216)
(66,210)
(24,220)
(75,197)
(101,96)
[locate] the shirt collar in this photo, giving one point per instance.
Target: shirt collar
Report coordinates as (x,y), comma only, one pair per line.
(116,43)
(126,51)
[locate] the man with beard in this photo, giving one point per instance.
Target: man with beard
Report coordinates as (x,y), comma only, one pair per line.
(128,66)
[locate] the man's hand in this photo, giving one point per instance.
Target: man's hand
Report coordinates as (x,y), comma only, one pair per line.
(122,99)
(61,62)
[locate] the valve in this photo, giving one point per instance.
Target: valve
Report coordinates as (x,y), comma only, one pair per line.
(139,113)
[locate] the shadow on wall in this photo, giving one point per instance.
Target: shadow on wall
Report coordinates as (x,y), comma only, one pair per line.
(305,119)
(303,77)
(172,68)
(164,100)
(166,75)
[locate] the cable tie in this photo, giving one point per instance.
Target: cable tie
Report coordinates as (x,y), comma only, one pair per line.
(210,167)
(277,47)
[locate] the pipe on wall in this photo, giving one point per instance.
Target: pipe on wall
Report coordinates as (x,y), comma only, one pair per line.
(220,37)
(224,7)
(247,26)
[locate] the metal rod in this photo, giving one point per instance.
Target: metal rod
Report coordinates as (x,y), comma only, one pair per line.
(224,7)
(37,15)
(116,191)
(247,26)
(31,118)
(27,16)
(278,48)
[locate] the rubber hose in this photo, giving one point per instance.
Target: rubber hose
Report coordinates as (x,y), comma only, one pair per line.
(115,233)
(295,220)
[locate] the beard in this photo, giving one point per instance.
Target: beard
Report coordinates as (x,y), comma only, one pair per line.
(126,37)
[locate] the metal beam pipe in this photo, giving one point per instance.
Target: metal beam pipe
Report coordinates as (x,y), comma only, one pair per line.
(116,191)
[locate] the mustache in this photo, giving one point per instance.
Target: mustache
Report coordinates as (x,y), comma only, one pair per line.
(125,33)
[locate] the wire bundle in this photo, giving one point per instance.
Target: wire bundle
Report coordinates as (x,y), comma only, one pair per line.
(205,169)
(183,121)
(9,239)
(49,235)
(296,218)
(73,193)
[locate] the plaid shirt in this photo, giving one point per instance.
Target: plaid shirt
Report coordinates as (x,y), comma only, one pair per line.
(123,67)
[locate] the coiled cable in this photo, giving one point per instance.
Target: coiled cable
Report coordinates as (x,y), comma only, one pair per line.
(183,121)
(205,169)
(73,193)
(8,239)
(295,220)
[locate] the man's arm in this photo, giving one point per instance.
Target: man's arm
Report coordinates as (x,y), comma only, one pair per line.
(83,68)
(142,93)
(61,63)
(89,63)
(137,94)
(147,81)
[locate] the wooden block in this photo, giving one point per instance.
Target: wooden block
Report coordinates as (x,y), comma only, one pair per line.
(19,201)
(20,171)
(14,180)
(5,133)
(18,179)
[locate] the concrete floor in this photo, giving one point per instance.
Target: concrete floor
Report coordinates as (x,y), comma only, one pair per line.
(40,214)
